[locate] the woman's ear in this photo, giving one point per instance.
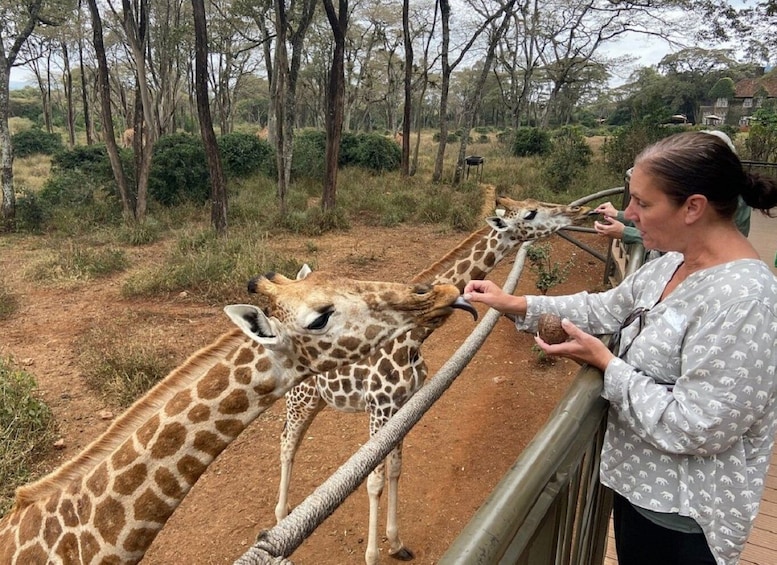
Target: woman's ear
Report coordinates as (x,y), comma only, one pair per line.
(695,206)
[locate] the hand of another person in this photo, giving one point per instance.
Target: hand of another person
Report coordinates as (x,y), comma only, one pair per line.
(580,347)
(490,294)
(607,209)
(610,228)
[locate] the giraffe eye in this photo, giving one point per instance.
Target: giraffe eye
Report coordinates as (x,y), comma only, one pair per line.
(531,215)
(321,322)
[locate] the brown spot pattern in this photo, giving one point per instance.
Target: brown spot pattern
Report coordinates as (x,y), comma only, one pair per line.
(168,483)
(150,508)
(89,546)
(214,383)
(109,519)
(51,531)
(209,443)
(243,375)
(35,554)
(139,539)
(147,430)
(123,456)
(98,482)
(179,403)
(30,524)
(199,413)
(128,481)
(230,428)
(244,356)
(190,468)
(236,402)
(68,513)
(169,441)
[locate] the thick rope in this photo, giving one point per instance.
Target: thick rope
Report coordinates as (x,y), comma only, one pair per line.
(273,545)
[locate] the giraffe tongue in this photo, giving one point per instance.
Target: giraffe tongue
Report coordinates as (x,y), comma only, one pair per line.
(462,304)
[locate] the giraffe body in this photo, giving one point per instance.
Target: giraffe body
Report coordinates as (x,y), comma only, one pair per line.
(382,383)
(108,503)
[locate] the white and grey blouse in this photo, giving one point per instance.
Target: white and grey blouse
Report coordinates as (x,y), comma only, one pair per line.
(692,411)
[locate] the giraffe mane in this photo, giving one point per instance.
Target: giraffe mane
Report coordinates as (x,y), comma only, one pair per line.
(128,422)
(449,258)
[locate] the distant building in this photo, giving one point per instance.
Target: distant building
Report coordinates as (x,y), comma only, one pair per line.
(749,95)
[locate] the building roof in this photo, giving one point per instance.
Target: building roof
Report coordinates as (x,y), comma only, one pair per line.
(746,88)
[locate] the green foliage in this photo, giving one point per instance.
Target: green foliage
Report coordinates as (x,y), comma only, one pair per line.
(724,88)
(206,267)
(121,370)
(179,170)
(570,155)
(309,154)
(531,141)
(26,429)
(35,141)
(243,154)
(761,143)
(79,263)
(452,137)
(370,151)
(549,273)
(620,150)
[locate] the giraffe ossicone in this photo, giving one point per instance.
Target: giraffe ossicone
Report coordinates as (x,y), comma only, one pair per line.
(108,503)
(382,383)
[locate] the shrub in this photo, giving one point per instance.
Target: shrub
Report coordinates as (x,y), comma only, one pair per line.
(620,150)
(32,141)
(179,171)
(376,153)
(531,141)
(243,154)
(309,151)
(26,429)
(569,157)
(549,273)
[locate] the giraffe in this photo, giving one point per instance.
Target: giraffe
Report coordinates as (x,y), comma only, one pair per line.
(382,383)
(108,503)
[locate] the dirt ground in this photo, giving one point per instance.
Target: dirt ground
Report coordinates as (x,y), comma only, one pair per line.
(452,459)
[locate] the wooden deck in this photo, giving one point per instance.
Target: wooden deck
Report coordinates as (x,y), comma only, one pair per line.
(762,546)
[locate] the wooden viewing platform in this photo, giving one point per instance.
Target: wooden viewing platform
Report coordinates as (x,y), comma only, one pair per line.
(761,548)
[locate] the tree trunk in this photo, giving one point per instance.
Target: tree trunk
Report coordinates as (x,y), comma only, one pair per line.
(407,114)
(445,18)
(84,91)
(218,191)
(67,81)
(127,198)
(335,101)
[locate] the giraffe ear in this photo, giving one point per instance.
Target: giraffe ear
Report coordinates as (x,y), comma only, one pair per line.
(304,271)
(253,322)
(497,223)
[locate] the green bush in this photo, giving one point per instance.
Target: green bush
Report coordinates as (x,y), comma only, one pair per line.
(26,429)
(620,150)
(34,141)
(309,154)
(243,154)
(531,141)
(570,155)
(761,143)
(376,153)
(179,171)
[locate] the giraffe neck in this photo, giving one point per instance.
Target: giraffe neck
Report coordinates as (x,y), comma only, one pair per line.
(473,258)
(112,500)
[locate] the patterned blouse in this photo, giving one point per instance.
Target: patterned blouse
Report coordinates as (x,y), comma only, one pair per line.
(692,414)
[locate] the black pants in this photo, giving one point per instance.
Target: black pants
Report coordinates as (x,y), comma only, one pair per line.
(639,541)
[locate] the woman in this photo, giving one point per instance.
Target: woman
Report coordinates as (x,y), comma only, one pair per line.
(692,384)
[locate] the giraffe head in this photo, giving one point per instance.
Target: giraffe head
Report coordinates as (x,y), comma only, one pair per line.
(533,219)
(326,321)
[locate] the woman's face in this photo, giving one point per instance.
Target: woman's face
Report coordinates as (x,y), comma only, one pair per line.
(657,217)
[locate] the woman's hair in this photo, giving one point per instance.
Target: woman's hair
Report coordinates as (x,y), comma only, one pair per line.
(694,163)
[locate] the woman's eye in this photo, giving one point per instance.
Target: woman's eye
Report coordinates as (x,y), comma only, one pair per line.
(321,322)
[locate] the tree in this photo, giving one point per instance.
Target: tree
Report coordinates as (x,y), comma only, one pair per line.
(14,32)
(218,190)
(338,21)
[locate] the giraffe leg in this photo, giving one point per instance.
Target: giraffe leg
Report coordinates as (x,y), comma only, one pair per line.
(303,403)
(397,549)
(374,489)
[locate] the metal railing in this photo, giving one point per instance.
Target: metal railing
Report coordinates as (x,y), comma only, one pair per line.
(551,498)
(549,508)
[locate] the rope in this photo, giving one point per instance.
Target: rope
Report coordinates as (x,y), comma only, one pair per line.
(291,532)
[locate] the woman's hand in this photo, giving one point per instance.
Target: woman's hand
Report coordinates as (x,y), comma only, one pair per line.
(580,347)
(491,295)
(610,228)
(607,209)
